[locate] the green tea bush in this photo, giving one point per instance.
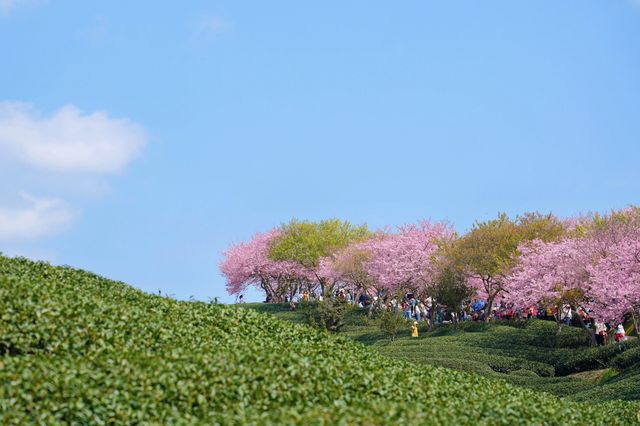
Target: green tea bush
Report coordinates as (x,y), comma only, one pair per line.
(623,386)
(547,334)
(359,317)
(499,348)
(80,349)
(507,365)
(600,357)
(462,365)
(468,326)
(523,373)
(628,358)
(327,314)
(390,323)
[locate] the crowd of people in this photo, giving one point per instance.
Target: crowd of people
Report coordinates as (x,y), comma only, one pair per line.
(427,311)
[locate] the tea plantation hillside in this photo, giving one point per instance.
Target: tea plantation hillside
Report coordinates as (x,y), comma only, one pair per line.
(77,348)
(527,353)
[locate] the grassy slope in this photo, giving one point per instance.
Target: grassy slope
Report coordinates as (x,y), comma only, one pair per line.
(527,353)
(79,348)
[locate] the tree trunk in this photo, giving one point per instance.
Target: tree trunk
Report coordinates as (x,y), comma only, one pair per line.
(266,286)
(432,315)
(635,322)
(489,307)
(559,322)
(590,331)
(355,297)
(292,292)
(323,286)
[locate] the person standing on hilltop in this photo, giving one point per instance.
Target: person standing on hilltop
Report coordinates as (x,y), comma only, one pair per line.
(601,332)
(620,335)
(414,329)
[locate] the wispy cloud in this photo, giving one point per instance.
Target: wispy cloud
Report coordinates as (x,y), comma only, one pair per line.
(209,28)
(37,217)
(7,5)
(68,140)
(67,148)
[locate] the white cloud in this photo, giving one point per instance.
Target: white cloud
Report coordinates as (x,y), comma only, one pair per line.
(37,217)
(7,5)
(68,140)
(67,152)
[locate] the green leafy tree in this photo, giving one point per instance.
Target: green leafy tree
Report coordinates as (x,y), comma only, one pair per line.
(486,254)
(307,242)
(489,251)
(451,288)
(538,226)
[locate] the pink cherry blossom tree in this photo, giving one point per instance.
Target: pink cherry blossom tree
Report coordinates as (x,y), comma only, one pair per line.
(346,268)
(248,264)
(406,260)
(596,267)
(616,273)
(616,280)
(553,272)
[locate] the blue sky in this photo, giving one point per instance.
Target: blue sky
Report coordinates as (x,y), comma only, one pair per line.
(139,139)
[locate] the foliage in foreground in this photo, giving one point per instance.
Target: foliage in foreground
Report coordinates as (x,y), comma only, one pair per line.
(77,348)
(390,323)
(327,314)
(527,353)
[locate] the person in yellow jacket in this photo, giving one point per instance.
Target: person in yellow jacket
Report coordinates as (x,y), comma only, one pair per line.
(414,329)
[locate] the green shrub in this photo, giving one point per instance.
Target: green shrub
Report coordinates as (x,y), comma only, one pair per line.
(87,350)
(462,365)
(468,326)
(508,365)
(628,358)
(390,323)
(623,386)
(595,358)
(523,373)
(358,317)
(328,314)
